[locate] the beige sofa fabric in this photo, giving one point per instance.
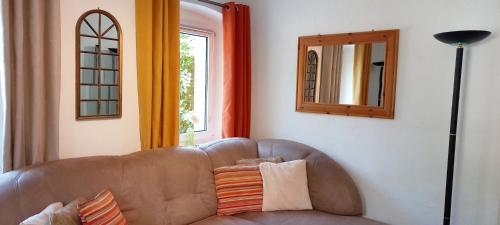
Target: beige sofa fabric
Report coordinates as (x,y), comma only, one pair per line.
(330,187)
(176,186)
(307,217)
(154,187)
(228,151)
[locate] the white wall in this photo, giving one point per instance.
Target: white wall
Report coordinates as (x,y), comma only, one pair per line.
(98,137)
(347,75)
(399,165)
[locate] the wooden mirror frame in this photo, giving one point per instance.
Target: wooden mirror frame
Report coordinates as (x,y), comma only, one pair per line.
(78,66)
(390,37)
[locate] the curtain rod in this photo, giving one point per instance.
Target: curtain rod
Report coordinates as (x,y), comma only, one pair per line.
(213,3)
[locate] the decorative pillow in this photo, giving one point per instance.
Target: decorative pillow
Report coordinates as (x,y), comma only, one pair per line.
(42,218)
(285,186)
(102,210)
(239,189)
(68,215)
(257,161)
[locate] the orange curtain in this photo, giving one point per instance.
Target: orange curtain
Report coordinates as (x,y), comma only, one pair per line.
(158,56)
(237,71)
(362,63)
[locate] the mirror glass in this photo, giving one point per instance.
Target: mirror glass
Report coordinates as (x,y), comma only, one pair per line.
(349,74)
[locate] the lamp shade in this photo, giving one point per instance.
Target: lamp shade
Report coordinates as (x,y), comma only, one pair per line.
(462,37)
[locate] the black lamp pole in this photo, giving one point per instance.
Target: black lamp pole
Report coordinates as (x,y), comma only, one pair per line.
(459,38)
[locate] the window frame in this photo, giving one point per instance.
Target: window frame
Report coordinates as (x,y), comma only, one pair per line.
(98,68)
(210,93)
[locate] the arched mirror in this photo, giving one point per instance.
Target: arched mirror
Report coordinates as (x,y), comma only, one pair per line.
(98,66)
(311,72)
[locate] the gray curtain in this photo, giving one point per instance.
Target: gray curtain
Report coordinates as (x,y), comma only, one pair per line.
(32,64)
(331,71)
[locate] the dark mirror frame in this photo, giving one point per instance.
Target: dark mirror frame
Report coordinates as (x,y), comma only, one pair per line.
(390,37)
(78,67)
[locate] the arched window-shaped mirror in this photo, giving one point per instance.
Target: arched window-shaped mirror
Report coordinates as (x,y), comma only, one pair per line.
(98,66)
(312,70)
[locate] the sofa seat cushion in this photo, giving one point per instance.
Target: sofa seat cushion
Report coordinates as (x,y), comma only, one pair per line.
(307,217)
(225,220)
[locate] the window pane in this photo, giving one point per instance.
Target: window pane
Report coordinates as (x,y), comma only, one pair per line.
(88,60)
(109,46)
(89,44)
(193,101)
(88,108)
(85,29)
(109,92)
(88,92)
(93,20)
(109,61)
(105,23)
(109,108)
(112,33)
(88,76)
(109,77)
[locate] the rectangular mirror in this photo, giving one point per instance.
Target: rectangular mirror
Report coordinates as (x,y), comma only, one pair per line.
(348,74)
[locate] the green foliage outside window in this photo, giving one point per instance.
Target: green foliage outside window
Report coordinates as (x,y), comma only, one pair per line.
(187,85)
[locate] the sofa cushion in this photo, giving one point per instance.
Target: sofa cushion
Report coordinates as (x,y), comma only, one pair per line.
(285,186)
(68,215)
(239,189)
(308,217)
(102,209)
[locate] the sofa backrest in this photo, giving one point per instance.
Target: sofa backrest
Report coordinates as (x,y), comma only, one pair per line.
(167,186)
(330,187)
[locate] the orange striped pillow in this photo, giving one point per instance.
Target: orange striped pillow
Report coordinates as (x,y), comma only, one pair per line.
(102,210)
(239,189)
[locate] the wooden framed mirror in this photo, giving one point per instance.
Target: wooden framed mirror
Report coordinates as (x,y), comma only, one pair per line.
(98,66)
(351,74)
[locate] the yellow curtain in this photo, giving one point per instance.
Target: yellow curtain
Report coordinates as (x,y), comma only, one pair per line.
(157,27)
(362,60)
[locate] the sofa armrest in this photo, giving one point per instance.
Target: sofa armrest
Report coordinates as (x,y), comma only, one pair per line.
(331,189)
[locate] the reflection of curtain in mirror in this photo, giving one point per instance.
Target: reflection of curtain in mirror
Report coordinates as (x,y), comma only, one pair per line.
(331,71)
(361,76)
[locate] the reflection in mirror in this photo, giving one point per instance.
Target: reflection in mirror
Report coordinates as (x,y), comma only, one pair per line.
(349,74)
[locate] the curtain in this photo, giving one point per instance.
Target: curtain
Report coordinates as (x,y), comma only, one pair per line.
(32,81)
(362,60)
(331,70)
(237,71)
(158,27)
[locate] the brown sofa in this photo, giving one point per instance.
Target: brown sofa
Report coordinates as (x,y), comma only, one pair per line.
(176,186)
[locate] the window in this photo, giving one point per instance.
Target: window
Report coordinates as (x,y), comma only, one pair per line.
(98,59)
(194,69)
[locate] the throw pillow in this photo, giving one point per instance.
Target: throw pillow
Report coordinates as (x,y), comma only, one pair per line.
(42,218)
(257,161)
(102,210)
(239,189)
(68,215)
(285,186)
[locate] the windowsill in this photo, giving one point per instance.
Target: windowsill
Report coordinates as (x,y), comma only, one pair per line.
(200,137)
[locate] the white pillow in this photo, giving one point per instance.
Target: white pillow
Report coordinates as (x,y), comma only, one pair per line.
(285,186)
(42,218)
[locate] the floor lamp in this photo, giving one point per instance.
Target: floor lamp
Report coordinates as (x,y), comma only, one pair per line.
(459,39)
